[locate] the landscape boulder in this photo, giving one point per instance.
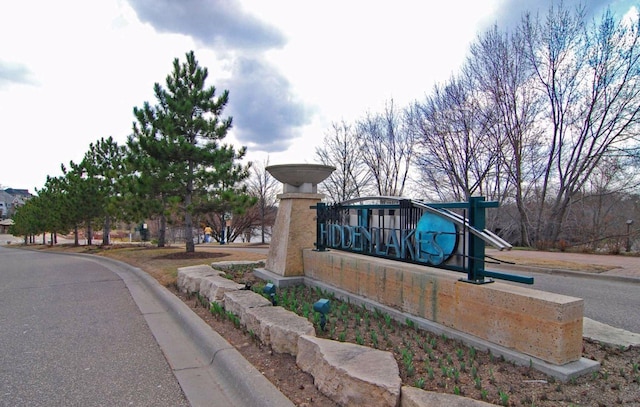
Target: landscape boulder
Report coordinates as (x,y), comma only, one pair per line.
(350,374)
(214,287)
(189,278)
(277,327)
(238,302)
(414,397)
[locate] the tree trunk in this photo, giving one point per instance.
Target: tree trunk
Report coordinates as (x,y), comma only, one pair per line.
(263,211)
(188,221)
(89,234)
(106,231)
(75,236)
(162,231)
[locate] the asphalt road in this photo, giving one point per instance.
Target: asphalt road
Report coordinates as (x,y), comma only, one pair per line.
(613,303)
(71,335)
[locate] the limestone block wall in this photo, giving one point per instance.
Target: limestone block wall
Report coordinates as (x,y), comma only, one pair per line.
(540,324)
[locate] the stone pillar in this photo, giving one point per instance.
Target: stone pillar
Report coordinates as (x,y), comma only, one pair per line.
(294,230)
(295,227)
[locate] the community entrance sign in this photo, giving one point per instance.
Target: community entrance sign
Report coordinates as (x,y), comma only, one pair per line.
(445,235)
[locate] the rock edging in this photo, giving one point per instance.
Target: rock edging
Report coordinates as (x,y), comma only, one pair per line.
(349,374)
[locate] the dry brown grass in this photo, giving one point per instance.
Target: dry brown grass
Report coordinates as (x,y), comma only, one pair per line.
(161,263)
(552,263)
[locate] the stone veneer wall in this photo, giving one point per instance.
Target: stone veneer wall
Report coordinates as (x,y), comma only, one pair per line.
(543,325)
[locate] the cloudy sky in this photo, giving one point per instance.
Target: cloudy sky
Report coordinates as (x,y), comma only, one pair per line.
(71,71)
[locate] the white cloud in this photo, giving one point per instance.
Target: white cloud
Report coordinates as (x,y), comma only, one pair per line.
(87,64)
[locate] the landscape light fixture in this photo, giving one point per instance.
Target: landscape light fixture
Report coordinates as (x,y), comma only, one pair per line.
(270,290)
(323,306)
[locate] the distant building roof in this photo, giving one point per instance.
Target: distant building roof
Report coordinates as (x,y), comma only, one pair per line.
(18,192)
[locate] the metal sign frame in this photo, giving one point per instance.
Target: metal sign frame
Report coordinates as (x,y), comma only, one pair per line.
(450,236)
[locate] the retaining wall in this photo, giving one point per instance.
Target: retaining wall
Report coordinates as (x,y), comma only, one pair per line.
(540,324)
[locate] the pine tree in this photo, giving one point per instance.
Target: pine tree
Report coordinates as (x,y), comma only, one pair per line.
(179,140)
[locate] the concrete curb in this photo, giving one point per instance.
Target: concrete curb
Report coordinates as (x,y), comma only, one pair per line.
(209,369)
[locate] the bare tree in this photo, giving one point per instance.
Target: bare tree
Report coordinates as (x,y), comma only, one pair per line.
(499,69)
(265,188)
(341,150)
(591,79)
(387,146)
(458,152)
(600,210)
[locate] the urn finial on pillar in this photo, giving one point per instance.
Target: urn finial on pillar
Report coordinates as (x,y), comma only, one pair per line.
(295,227)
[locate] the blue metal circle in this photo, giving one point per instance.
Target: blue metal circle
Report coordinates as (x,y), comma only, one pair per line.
(436,238)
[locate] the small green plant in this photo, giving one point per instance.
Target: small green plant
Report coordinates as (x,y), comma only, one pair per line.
(387,320)
(478,383)
(342,336)
(233,318)
(460,354)
(504,398)
(419,383)
(455,373)
(200,299)
(410,323)
(374,338)
(430,373)
(474,372)
(483,394)
(305,311)
(343,308)
(445,371)
(407,356)
(472,353)
(359,338)
(216,309)
(411,370)
(456,390)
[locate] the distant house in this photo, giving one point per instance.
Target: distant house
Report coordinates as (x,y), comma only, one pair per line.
(11,198)
(5,224)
